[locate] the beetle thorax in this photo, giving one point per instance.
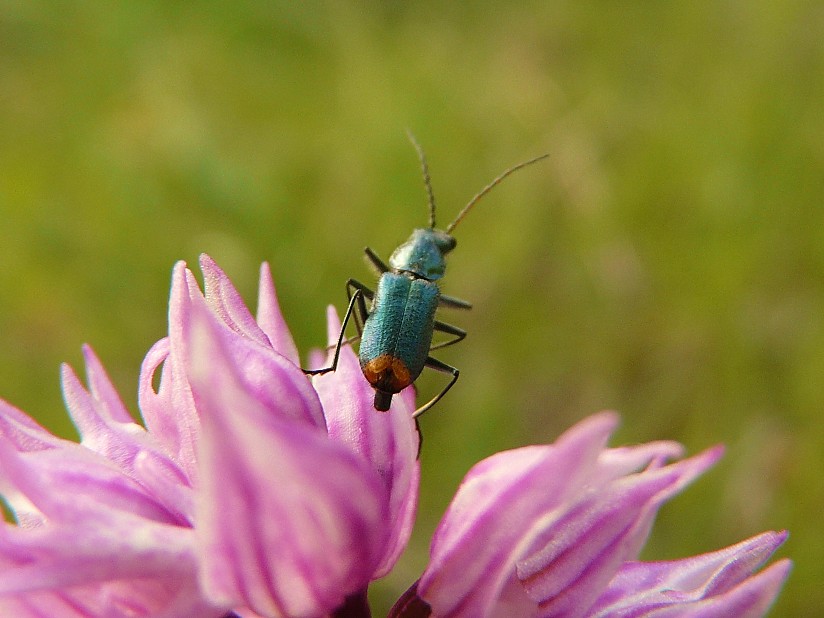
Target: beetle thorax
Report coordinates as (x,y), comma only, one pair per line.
(423,254)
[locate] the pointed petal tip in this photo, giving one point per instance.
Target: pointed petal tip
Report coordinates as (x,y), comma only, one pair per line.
(179,268)
(782,567)
(270,319)
(92,360)
(66,371)
(89,356)
(694,466)
(756,594)
(182,279)
(709,457)
(191,286)
(607,418)
(210,268)
(205,260)
(595,428)
(682,473)
(770,540)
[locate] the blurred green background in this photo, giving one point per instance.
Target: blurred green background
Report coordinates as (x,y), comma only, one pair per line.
(667,261)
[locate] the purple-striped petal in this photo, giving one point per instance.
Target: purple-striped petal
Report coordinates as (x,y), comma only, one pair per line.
(562,518)
(253,357)
(387,440)
(619,461)
(51,480)
(23,432)
(89,538)
(577,549)
(170,411)
(106,566)
(234,497)
(225,302)
(105,547)
(289,522)
(716,584)
(106,428)
(482,534)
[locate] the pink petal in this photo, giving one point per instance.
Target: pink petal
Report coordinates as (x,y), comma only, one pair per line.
(19,433)
(620,461)
(479,539)
(387,440)
(255,359)
(169,412)
(52,480)
(270,319)
(225,302)
(563,517)
(750,599)
(576,550)
(121,440)
(108,566)
(23,432)
(105,395)
(714,584)
(288,521)
(106,547)
(117,599)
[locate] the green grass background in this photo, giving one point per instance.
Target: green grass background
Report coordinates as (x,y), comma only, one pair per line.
(667,260)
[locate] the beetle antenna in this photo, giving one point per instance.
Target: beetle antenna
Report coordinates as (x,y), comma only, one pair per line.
(488,188)
(426,181)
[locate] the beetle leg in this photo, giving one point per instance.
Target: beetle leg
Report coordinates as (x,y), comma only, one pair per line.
(352,288)
(453,303)
(359,312)
(334,365)
(420,438)
(443,327)
(434,363)
(377,263)
(347,341)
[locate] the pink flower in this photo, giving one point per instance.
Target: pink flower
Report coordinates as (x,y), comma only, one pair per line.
(251,490)
(556,531)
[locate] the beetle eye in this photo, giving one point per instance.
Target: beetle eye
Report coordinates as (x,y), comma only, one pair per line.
(445,242)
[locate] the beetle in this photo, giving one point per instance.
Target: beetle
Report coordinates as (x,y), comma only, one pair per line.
(396,330)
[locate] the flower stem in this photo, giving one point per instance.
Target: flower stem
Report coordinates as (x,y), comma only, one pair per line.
(355,606)
(410,605)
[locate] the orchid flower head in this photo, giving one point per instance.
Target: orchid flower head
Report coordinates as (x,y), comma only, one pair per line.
(249,489)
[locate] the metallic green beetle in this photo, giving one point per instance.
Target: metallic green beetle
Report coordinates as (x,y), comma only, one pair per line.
(396,330)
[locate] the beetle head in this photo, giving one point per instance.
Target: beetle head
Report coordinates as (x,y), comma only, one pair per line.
(423,254)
